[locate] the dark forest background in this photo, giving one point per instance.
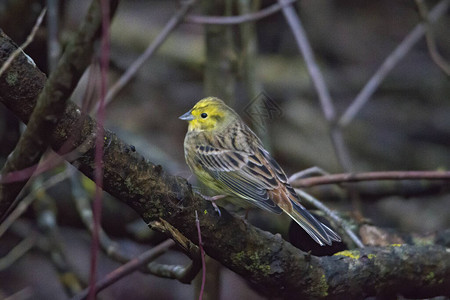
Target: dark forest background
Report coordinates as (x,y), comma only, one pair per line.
(404,126)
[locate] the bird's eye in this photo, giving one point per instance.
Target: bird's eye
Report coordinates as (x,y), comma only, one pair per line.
(204,115)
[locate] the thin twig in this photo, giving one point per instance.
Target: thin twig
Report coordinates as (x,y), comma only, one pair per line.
(128,268)
(151,49)
(431,42)
(184,274)
(83,206)
(232,20)
(25,293)
(405,46)
(313,69)
(369,176)
(338,220)
(50,161)
(319,84)
(307,173)
(46,217)
(26,201)
(340,147)
(25,44)
(53,47)
(17,252)
(318,81)
(202,253)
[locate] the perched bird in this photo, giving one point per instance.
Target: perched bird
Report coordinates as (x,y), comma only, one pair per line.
(228,157)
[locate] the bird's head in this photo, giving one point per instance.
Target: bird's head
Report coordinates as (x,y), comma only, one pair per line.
(209,114)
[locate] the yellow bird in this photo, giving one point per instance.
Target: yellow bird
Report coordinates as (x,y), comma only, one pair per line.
(228,157)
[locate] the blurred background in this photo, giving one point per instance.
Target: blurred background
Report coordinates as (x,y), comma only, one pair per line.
(404,126)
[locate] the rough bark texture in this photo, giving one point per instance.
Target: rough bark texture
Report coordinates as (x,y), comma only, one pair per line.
(272,264)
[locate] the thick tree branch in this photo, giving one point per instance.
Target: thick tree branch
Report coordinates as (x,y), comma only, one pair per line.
(272,264)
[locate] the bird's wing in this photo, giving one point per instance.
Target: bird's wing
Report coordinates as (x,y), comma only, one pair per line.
(241,173)
(257,177)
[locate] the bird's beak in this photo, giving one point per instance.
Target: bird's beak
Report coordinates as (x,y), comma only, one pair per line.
(187,116)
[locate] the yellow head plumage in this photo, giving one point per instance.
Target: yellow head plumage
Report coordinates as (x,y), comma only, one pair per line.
(209,114)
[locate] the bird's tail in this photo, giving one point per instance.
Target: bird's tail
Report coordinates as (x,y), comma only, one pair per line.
(321,233)
(287,199)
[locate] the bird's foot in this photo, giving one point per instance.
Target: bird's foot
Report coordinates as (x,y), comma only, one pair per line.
(213,200)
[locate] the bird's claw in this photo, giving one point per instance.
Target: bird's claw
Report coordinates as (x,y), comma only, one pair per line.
(216,208)
(213,200)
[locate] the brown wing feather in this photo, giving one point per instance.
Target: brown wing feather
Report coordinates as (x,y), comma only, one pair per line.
(230,160)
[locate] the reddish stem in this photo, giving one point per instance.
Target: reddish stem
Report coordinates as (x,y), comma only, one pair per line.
(99,142)
(202,253)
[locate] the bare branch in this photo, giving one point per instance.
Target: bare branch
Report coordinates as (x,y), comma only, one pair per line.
(173,22)
(431,42)
(338,220)
(233,20)
(27,200)
(46,216)
(386,175)
(313,69)
(319,84)
(54,49)
(389,63)
(17,252)
(25,44)
(128,268)
(83,206)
